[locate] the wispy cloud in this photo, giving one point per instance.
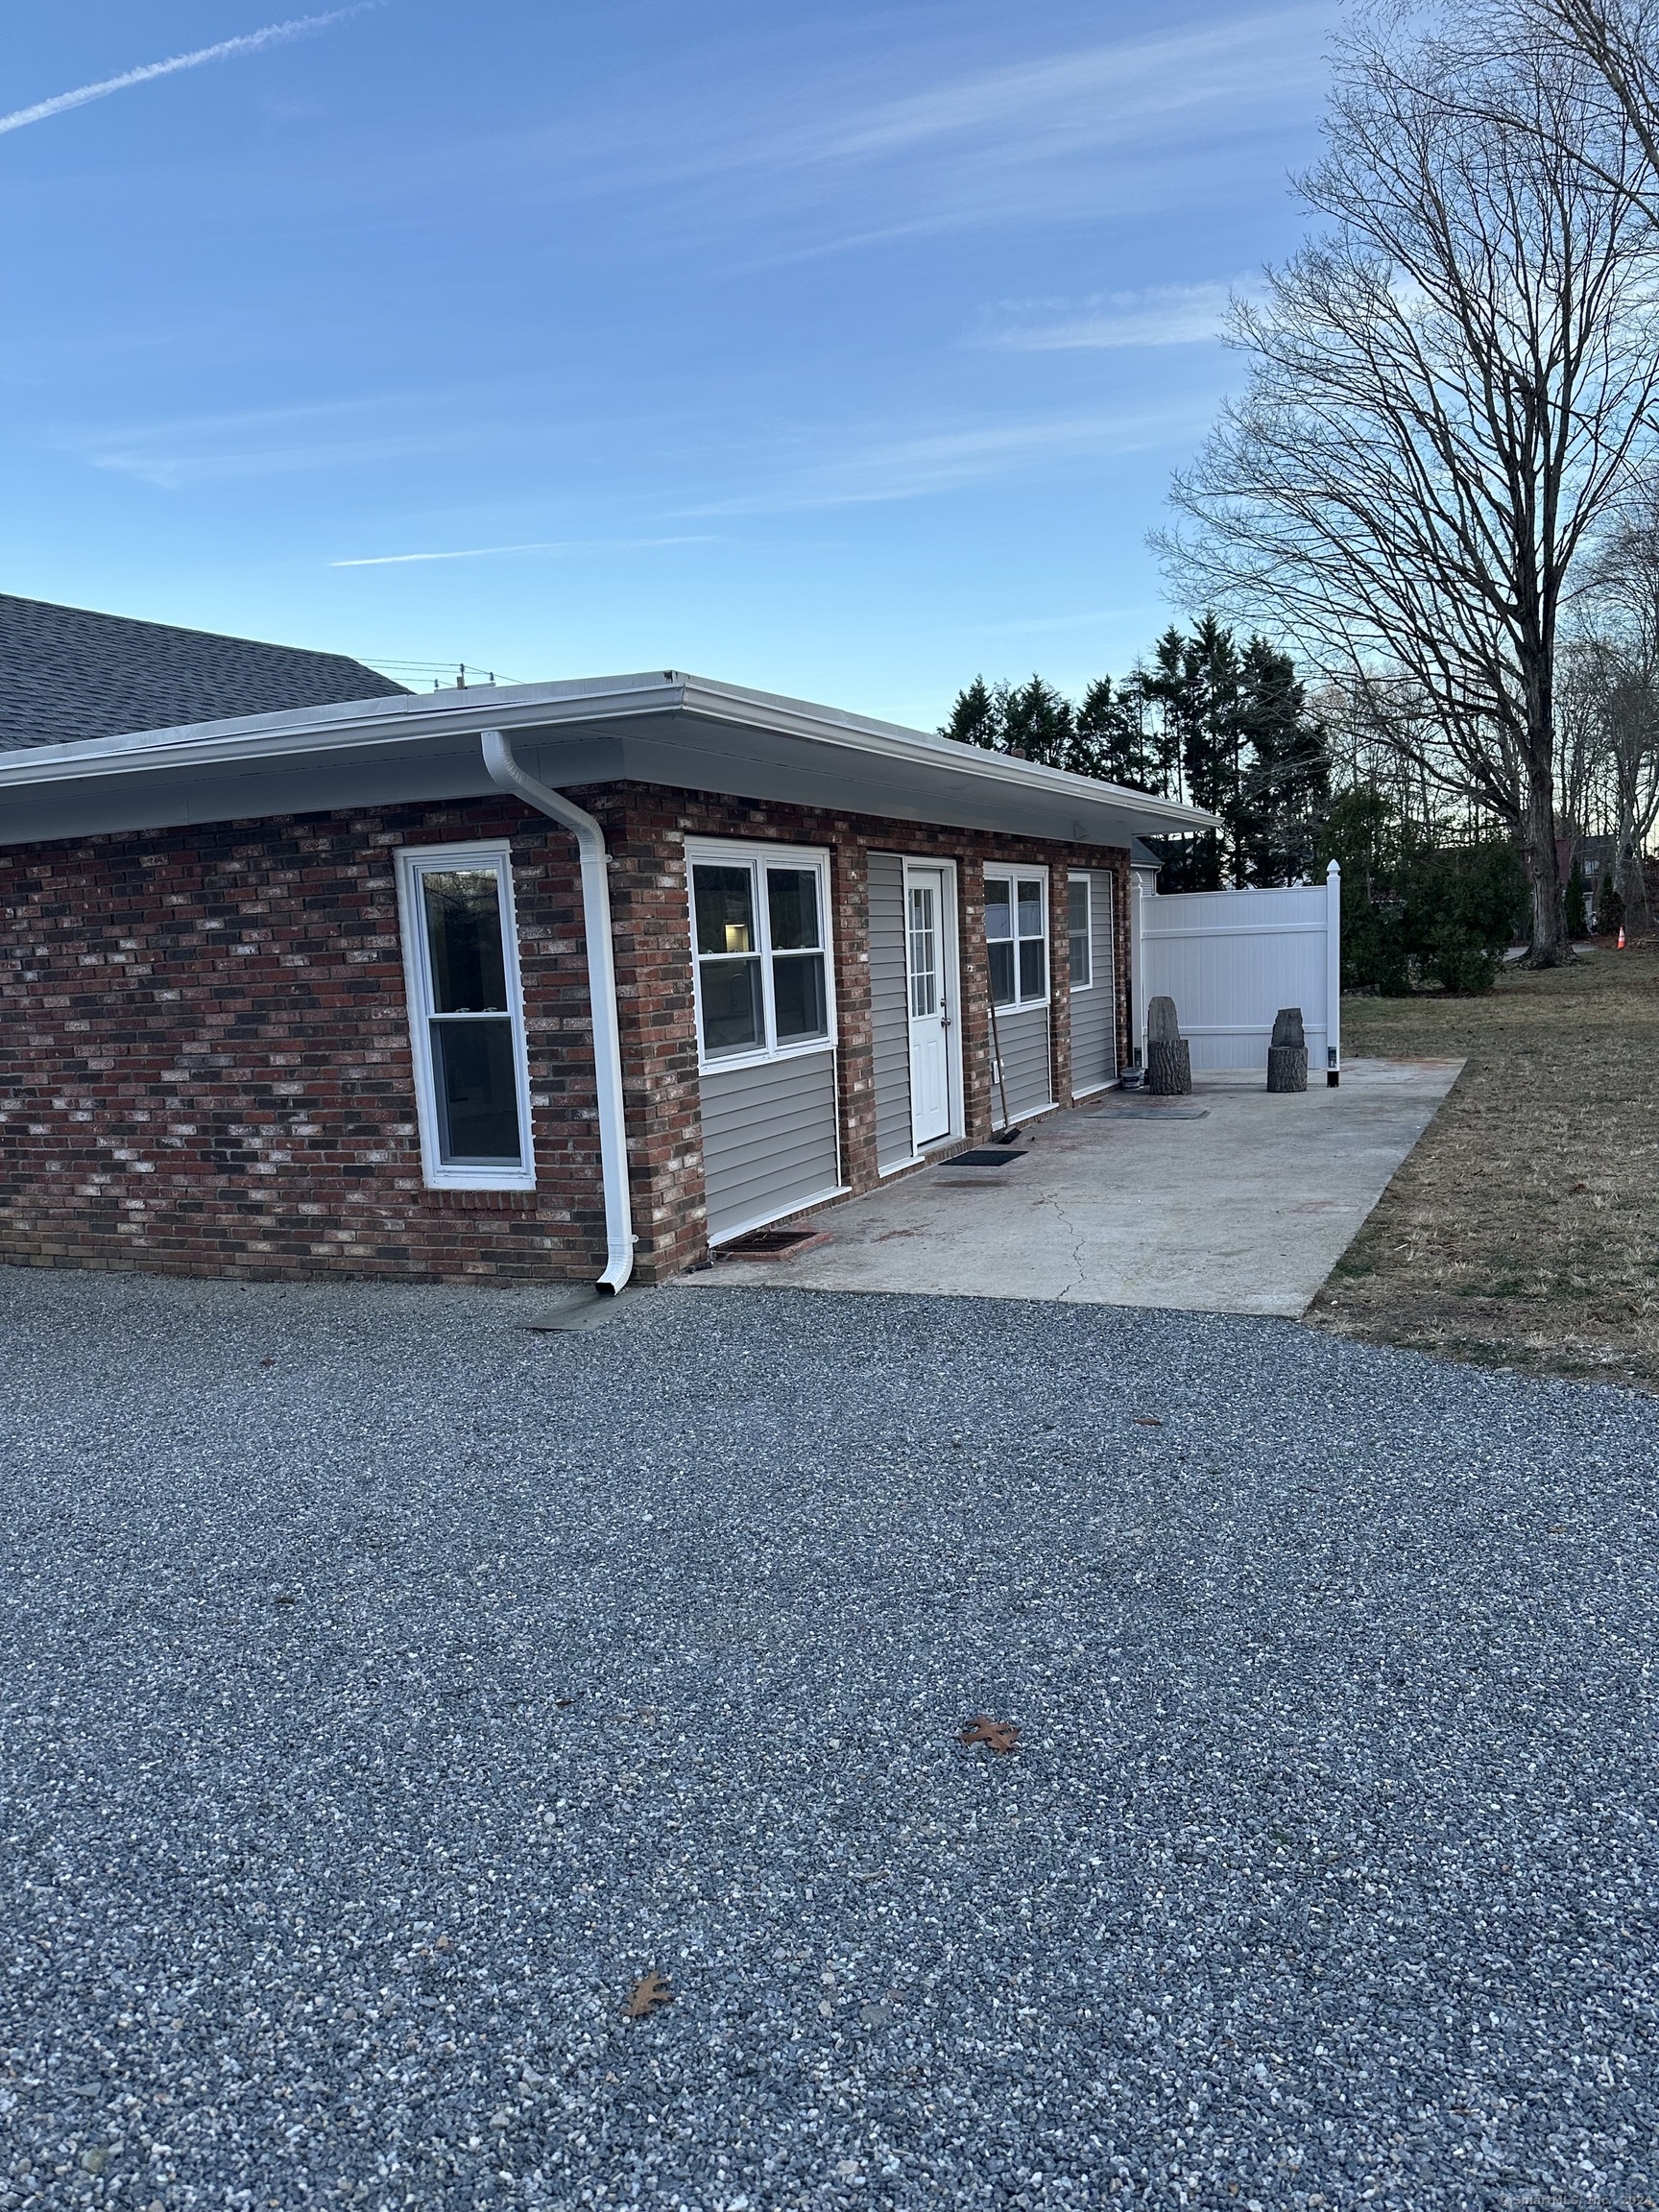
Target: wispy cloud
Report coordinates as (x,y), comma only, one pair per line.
(226,50)
(1166,315)
(548,545)
(917,467)
(1028,111)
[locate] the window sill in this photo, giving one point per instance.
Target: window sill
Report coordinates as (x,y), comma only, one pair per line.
(737,1061)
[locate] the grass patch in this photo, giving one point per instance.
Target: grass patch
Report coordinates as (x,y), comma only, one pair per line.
(1524,1229)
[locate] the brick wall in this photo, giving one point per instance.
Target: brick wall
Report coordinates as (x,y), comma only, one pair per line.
(205,1059)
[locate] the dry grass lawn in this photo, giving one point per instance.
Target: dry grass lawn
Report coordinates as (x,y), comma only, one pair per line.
(1524,1229)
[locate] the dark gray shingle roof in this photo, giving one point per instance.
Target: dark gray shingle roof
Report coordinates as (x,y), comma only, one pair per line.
(66,673)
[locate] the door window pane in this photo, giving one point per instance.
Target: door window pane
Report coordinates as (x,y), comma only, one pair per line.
(792,908)
(725,911)
(475,1080)
(924,954)
(463,908)
(731,1012)
(1082,966)
(797,997)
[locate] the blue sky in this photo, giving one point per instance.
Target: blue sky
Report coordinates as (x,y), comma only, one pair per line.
(842,351)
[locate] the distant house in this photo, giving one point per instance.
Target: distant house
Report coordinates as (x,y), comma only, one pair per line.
(301,973)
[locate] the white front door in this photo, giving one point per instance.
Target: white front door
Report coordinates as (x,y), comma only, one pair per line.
(931,1011)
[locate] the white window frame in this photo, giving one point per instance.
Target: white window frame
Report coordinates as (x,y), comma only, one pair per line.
(733,852)
(413,862)
(1075,878)
(999,872)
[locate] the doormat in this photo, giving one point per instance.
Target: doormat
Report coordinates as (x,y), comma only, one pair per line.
(985,1156)
(771,1243)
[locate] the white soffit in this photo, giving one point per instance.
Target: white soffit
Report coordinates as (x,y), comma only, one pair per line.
(665,729)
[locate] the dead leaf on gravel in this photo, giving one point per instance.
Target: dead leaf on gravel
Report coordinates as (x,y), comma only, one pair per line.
(1147,1421)
(646,1994)
(999,1735)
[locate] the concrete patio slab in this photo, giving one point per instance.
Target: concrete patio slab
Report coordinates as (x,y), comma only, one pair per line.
(1243,1208)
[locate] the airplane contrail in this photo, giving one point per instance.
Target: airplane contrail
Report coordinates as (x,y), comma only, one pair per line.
(251,42)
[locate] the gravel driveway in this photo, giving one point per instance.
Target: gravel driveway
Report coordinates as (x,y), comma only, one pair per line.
(385,1688)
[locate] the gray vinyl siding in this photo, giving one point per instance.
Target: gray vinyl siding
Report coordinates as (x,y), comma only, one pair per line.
(1094,1029)
(1024,1038)
(890,1010)
(768,1140)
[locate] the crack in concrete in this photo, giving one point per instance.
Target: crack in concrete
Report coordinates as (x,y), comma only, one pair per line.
(1077,1260)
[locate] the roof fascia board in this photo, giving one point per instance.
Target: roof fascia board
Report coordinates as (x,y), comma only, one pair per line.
(256,743)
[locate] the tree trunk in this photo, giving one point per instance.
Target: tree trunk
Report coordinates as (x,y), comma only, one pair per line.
(1549,946)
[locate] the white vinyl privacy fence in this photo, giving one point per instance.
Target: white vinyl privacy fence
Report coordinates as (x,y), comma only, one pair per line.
(1230,959)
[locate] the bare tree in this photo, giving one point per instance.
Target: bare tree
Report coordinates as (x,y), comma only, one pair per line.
(1447,392)
(1621,604)
(1618,43)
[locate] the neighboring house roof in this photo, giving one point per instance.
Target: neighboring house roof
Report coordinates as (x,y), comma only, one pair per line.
(67,673)
(663,727)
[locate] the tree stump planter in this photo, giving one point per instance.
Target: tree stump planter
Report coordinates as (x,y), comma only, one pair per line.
(1169,1055)
(1170,1068)
(1288,1054)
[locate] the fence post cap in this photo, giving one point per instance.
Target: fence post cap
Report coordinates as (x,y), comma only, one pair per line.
(1334,868)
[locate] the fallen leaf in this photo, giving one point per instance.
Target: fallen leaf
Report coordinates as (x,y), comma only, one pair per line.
(442,1944)
(998,1736)
(1147,1421)
(285,1599)
(563,1701)
(646,1994)
(267,1363)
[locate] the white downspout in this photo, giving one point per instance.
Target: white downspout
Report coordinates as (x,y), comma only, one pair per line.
(505,773)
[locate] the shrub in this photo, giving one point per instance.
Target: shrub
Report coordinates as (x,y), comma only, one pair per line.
(1415,912)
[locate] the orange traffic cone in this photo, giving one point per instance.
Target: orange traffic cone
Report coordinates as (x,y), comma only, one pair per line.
(1621,937)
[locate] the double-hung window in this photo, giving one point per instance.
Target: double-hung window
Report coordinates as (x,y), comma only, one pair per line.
(466,1015)
(1079,917)
(759,935)
(1017,936)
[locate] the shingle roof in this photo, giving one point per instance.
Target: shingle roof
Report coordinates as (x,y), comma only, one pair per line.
(66,673)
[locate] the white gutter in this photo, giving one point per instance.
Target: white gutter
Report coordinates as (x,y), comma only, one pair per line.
(505,772)
(255,740)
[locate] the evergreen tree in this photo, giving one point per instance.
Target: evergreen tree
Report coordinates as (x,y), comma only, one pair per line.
(1204,722)
(1196,682)
(1284,790)
(1118,739)
(1037,724)
(975,718)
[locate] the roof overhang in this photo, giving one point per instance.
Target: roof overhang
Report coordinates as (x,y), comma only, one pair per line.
(663,728)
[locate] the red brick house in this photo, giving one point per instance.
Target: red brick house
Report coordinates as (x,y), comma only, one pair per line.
(533,982)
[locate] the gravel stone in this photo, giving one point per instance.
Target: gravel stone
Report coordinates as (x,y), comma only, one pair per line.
(385,1688)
